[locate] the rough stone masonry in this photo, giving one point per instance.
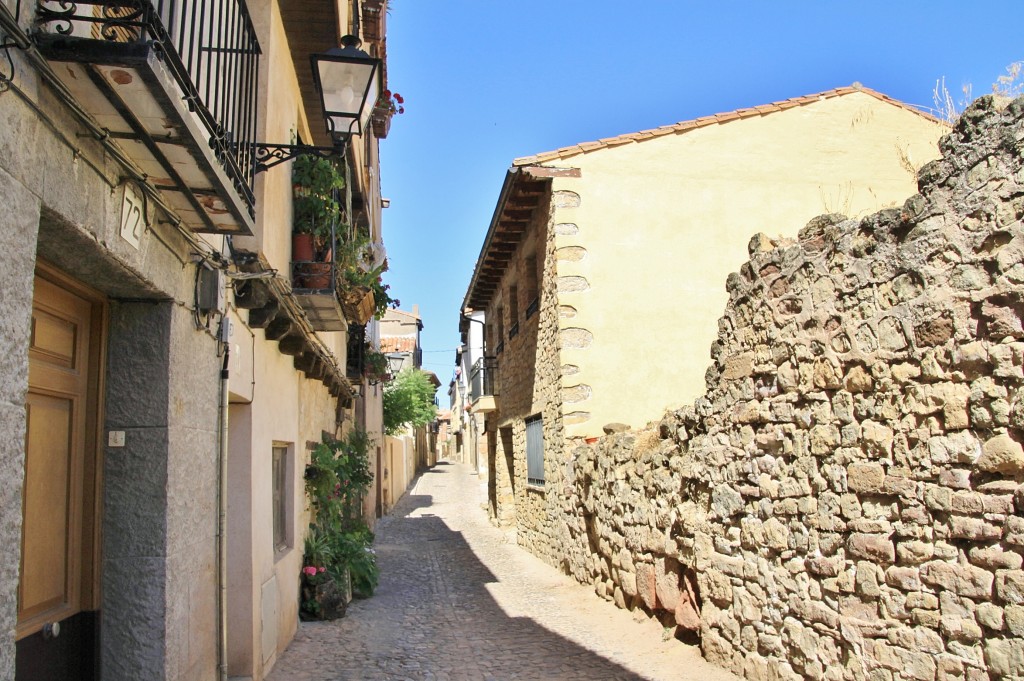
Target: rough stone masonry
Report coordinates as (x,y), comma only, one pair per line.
(846,501)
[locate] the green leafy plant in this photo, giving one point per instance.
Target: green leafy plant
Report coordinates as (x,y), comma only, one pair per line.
(375,364)
(408,401)
(316,186)
(357,271)
(338,544)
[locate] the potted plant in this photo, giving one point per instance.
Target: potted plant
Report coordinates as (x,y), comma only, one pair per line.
(388,104)
(338,560)
(316,216)
(375,364)
(362,293)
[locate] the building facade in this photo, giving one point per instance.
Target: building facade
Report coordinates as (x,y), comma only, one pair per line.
(602,275)
(164,376)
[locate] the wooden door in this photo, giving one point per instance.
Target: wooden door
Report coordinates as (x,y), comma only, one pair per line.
(57,594)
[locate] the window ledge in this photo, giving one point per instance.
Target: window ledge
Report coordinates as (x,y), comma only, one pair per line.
(282,553)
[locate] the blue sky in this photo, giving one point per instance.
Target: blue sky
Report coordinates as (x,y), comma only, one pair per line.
(491,80)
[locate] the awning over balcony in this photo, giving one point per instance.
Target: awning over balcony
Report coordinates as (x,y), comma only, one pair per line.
(174,83)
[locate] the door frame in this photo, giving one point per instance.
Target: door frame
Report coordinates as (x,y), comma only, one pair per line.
(92,456)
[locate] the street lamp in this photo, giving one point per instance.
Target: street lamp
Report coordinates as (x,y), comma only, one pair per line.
(395,362)
(347,80)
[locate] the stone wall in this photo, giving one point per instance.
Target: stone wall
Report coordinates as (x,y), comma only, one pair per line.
(846,501)
(529,385)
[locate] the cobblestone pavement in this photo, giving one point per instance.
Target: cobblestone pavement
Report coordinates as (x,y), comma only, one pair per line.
(459,600)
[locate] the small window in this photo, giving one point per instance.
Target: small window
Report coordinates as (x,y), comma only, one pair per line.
(500,331)
(280,496)
(531,291)
(535,450)
(513,304)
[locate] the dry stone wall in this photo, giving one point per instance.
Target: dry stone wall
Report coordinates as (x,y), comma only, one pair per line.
(846,501)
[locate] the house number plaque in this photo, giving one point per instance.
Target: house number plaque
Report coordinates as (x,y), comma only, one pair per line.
(133,216)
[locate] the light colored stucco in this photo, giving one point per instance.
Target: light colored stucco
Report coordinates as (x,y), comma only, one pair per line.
(660,224)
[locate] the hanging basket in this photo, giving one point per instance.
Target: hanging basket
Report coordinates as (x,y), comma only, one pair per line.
(357,304)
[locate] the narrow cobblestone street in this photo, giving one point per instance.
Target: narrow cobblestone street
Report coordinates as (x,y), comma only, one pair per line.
(459,600)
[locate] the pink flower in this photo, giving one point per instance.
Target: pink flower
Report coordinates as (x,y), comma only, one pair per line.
(309,570)
(321,569)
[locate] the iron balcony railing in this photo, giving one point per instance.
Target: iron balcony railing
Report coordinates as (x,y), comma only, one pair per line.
(482,378)
(210,47)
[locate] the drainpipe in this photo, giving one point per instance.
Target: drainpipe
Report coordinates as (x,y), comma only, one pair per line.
(222,516)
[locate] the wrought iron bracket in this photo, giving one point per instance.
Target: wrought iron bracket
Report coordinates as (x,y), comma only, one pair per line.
(270,155)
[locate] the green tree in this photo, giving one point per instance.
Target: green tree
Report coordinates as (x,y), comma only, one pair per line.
(408,401)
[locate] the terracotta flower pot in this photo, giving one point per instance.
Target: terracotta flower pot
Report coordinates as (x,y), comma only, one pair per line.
(302,247)
(313,275)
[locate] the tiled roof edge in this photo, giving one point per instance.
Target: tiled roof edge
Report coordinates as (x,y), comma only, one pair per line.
(715,119)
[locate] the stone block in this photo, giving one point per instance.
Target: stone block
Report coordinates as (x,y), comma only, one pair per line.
(1010,586)
(960,447)
(866,579)
(899,486)
(990,616)
(628,582)
(686,615)
(666,585)
(1013,617)
(871,547)
(738,366)
(964,580)
(916,638)
(911,664)
(646,585)
(866,476)
(824,439)
(1002,454)
(1005,657)
(134,646)
(716,586)
(135,496)
(904,578)
(725,501)
(140,346)
(776,535)
(1001,505)
(858,380)
(824,567)
(961,629)
(955,478)
(18,244)
(995,558)
(922,600)
(975,529)
(938,498)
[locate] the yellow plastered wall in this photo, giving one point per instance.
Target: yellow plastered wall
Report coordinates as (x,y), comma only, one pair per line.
(662,223)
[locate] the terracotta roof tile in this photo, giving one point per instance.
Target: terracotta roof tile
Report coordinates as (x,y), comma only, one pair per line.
(397,344)
(716,119)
